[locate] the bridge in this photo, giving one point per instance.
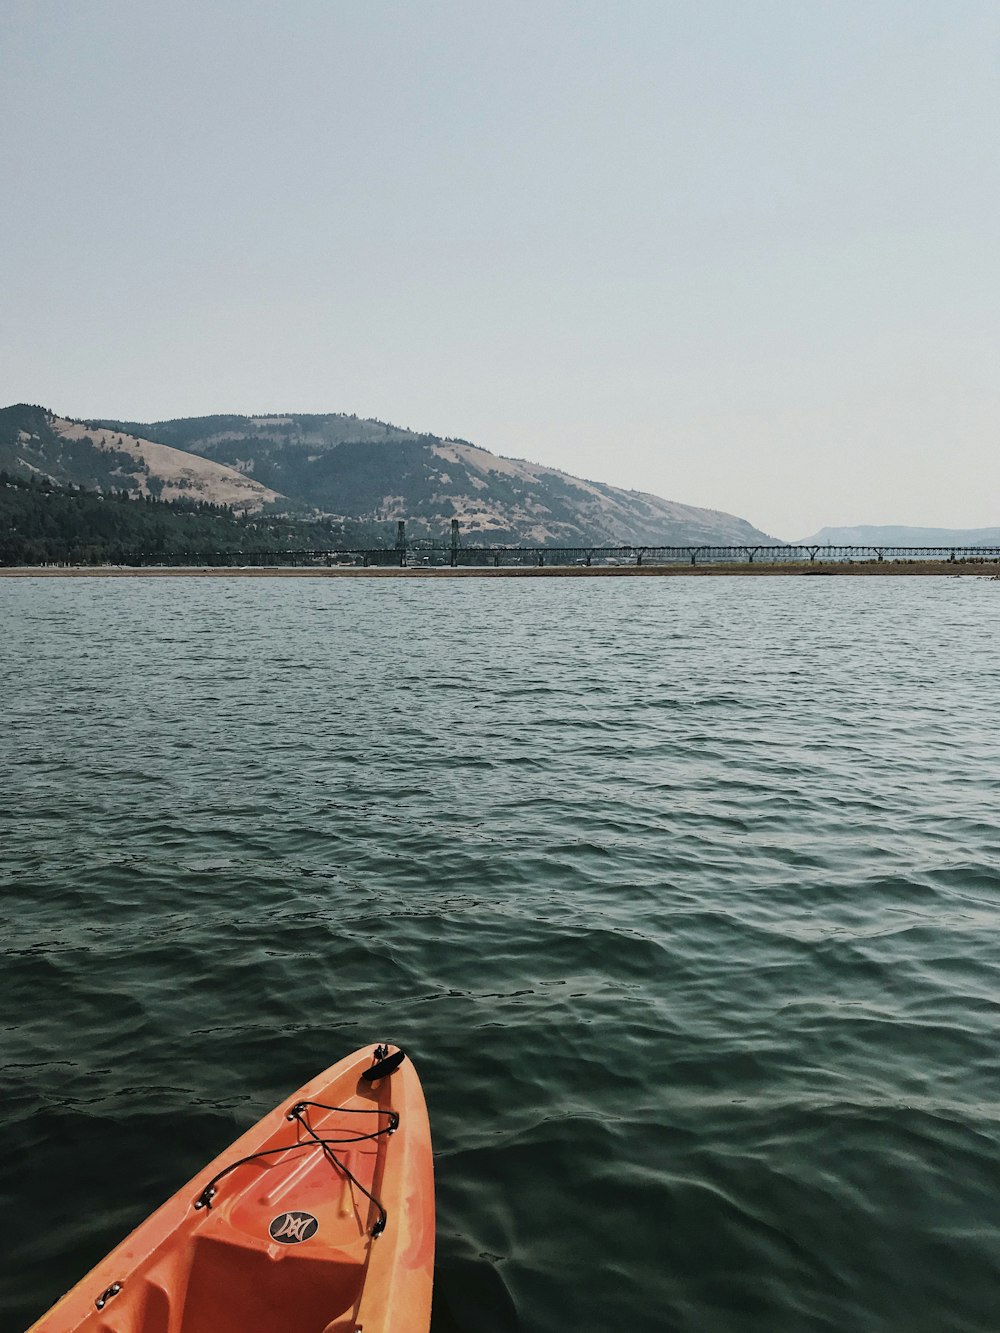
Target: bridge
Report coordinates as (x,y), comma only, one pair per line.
(429,555)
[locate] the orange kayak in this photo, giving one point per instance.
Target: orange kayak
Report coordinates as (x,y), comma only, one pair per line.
(320,1219)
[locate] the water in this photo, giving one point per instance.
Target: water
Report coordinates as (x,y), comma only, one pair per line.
(683,894)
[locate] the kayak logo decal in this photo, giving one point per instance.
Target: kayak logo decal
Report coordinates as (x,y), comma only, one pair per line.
(293,1228)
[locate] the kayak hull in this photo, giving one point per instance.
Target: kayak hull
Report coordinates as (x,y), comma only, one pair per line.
(320,1219)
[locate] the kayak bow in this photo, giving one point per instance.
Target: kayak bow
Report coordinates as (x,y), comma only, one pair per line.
(320,1219)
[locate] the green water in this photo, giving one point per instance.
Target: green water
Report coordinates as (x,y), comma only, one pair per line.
(683,895)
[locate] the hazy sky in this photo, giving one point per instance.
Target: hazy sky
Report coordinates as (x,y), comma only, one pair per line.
(741,253)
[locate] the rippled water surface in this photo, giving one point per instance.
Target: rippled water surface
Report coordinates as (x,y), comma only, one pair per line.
(683,894)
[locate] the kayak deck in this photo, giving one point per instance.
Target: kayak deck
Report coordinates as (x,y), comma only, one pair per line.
(318,1220)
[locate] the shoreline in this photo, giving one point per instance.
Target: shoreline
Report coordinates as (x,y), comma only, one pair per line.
(839,569)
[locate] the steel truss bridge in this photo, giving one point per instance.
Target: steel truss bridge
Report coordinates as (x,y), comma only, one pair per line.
(419,555)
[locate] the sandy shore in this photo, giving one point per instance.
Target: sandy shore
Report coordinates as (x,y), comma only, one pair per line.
(841,569)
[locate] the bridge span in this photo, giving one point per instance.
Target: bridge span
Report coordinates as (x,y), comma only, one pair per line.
(426,554)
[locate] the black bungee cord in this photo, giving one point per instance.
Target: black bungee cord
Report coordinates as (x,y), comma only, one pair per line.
(298,1114)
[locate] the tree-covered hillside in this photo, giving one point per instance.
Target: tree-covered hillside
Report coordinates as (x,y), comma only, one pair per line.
(35,442)
(346,465)
(334,463)
(42,523)
(326,430)
(28,442)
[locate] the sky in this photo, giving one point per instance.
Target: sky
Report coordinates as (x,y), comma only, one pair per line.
(739,253)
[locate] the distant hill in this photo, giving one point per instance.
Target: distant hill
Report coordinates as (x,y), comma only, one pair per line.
(348,469)
(901,536)
(36,443)
(349,466)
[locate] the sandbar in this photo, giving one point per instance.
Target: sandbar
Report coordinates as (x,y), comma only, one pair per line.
(837,569)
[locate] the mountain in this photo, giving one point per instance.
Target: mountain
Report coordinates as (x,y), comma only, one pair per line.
(874,535)
(36,442)
(349,466)
(345,468)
